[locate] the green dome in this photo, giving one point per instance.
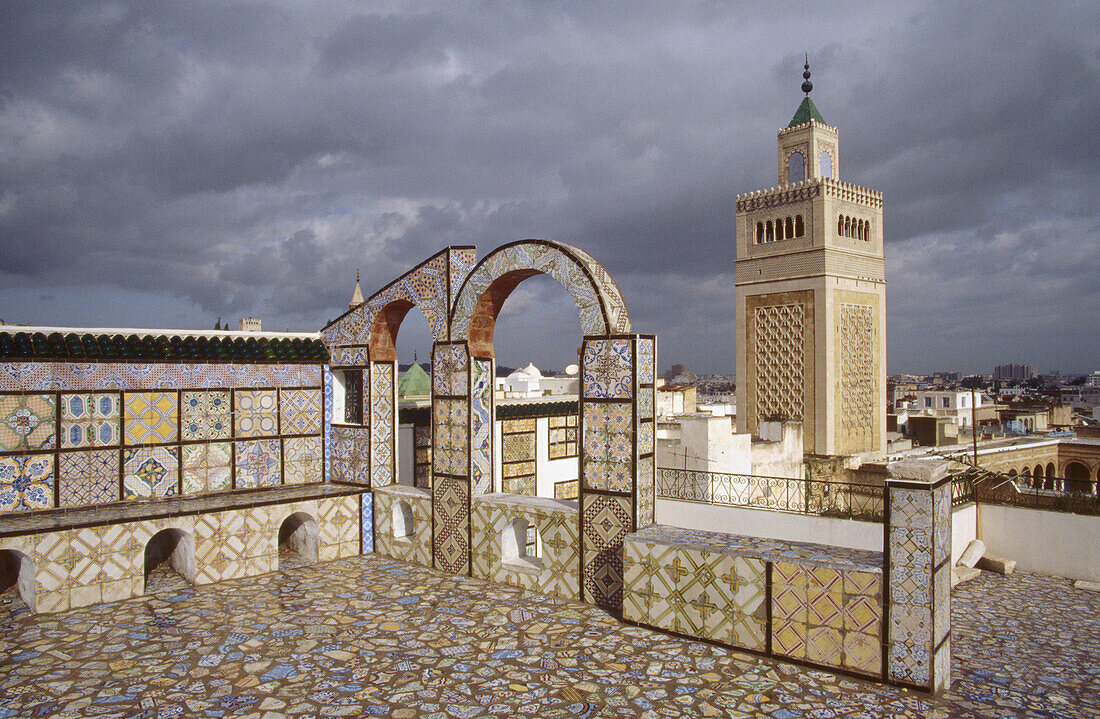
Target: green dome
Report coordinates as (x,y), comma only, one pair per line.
(414,383)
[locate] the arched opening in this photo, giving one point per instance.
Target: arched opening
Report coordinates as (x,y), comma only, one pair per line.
(1037,476)
(799,228)
(1077,478)
(759,233)
(867,230)
(403,522)
(1025,476)
(769,232)
(520,543)
(414,391)
(826,164)
(1050,474)
(796,167)
(860,233)
(1012,474)
(790,228)
(169,553)
(298,540)
(840,225)
(17,577)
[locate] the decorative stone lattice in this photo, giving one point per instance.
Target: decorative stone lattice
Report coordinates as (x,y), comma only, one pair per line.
(780,387)
(857,366)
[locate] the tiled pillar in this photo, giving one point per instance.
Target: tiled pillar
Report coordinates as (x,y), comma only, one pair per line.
(918,575)
(451,457)
(616,492)
(380,405)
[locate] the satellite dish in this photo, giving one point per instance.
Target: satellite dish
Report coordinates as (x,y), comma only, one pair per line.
(572,370)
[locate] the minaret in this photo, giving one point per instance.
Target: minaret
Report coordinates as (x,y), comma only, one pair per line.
(811,296)
(357,294)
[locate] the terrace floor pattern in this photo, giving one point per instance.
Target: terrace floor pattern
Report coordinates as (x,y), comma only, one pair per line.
(376,637)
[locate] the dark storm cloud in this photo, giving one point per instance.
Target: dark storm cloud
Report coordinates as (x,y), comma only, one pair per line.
(245,158)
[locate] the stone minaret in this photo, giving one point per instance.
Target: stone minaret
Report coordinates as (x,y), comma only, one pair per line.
(357,294)
(811,297)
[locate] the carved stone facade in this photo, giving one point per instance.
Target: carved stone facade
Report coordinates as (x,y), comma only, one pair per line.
(780,371)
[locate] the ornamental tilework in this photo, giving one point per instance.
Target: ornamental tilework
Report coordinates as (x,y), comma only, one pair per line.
(150,472)
(646,360)
(207,467)
(205,415)
(366,523)
(301,460)
(449,453)
(608,446)
(646,492)
(88,477)
(327,384)
(133,376)
(425,286)
(451,521)
(26,482)
(151,417)
(607,369)
(592,290)
(449,370)
(27,422)
(300,411)
(403,524)
(348,357)
(256,413)
(554,571)
(350,454)
(258,463)
(461,262)
(605,521)
(645,437)
(645,403)
(481,426)
(90,420)
(382,423)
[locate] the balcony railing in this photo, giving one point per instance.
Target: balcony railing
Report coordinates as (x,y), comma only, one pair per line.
(1056,494)
(780,494)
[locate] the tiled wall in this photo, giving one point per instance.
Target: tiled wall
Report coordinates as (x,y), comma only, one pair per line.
(557,570)
(415,548)
(78,435)
(763,601)
(87,438)
(79,567)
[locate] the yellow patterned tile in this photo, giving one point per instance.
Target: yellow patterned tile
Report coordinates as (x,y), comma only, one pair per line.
(151,417)
(824,645)
(862,653)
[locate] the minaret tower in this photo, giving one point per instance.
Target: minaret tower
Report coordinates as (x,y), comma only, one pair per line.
(356,294)
(811,297)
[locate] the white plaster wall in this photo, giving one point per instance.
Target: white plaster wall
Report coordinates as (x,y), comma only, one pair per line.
(406,455)
(964,529)
(772,525)
(711,446)
(548,471)
(1053,543)
(779,453)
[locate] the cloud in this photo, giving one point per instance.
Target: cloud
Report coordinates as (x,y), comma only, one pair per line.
(246,157)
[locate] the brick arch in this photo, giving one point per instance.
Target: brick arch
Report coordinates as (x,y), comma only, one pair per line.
(597,297)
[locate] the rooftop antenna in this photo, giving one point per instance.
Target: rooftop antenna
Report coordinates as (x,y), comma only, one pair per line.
(807,86)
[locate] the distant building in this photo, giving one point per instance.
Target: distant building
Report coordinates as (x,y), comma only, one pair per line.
(1014,372)
(952,404)
(1093,380)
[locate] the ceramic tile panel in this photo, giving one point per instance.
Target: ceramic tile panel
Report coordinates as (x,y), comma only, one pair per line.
(26,482)
(258,463)
(205,415)
(607,369)
(450,449)
(481,426)
(645,403)
(647,357)
(27,422)
(449,369)
(302,459)
(327,384)
(645,493)
(605,521)
(366,523)
(87,477)
(608,446)
(555,568)
(151,417)
(207,467)
(90,420)
(717,596)
(403,524)
(150,472)
(300,411)
(348,357)
(451,521)
(256,413)
(383,418)
(461,261)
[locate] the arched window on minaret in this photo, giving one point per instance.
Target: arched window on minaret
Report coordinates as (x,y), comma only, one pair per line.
(867,230)
(770,234)
(796,167)
(840,225)
(790,228)
(759,233)
(799,228)
(826,164)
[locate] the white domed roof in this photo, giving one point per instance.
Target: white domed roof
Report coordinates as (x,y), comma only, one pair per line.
(530,371)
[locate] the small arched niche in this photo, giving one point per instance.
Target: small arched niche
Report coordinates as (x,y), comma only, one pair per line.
(404,522)
(298,538)
(174,548)
(17,574)
(520,544)
(796,167)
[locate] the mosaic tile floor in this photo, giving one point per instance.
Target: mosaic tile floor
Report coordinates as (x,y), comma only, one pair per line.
(374,637)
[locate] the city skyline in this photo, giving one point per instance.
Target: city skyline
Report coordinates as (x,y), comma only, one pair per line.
(165,166)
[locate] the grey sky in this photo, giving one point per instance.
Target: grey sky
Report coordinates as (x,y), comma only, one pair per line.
(163,164)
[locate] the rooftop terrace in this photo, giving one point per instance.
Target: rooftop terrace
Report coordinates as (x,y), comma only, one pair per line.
(370,636)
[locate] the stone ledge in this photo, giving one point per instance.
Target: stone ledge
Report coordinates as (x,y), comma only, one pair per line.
(525,503)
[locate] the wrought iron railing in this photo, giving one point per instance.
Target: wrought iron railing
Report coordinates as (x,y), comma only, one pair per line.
(1056,494)
(781,494)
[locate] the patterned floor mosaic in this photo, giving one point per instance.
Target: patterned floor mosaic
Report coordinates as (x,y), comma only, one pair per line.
(370,636)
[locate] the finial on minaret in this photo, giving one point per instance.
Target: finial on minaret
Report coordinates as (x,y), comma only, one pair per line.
(357,294)
(807,86)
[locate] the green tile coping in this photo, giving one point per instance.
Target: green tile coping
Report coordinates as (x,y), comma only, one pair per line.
(158,348)
(58,520)
(806,111)
(771,550)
